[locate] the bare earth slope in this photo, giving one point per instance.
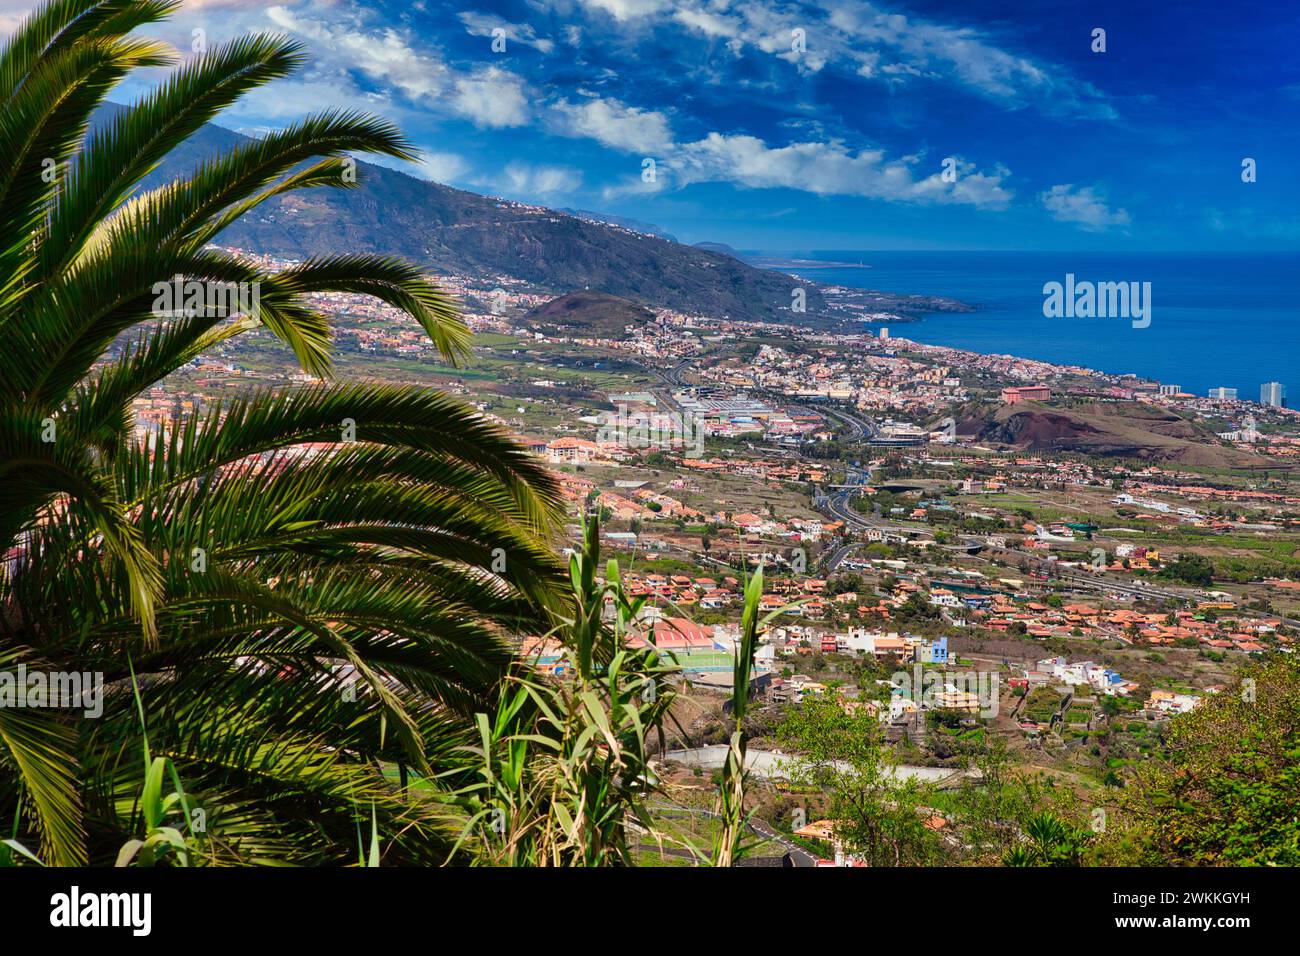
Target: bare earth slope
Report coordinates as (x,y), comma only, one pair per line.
(1113,430)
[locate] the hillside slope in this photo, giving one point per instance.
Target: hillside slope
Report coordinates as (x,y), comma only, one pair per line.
(593,312)
(1112,430)
(451,230)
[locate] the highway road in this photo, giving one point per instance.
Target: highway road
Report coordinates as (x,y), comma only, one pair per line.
(1096,582)
(837,506)
(838,555)
(798,855)
(673,376)
(860,428)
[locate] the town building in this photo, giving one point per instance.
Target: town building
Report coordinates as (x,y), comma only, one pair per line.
(1026,393)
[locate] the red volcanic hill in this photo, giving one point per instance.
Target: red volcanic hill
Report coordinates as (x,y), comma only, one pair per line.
(1109,430)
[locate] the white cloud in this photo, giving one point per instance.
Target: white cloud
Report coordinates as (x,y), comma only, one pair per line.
(823,168)
(442,167)
(623,10)
(483,24)
(382,55)
(491,97)
(868,41)
(614,124)
(707,22)
(827,169)
(289,99)
(1082,205)
(528,180)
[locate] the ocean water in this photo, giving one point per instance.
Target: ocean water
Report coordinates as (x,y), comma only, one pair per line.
(1227,319)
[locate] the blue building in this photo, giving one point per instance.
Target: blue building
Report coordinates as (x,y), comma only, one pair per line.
(939,650)
(934,652)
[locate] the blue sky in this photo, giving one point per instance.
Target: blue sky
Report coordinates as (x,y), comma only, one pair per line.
(826,124)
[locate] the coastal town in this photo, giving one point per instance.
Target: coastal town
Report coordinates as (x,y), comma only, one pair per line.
(620,435)
(1104,550)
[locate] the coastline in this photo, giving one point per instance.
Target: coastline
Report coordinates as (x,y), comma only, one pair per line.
(1218,320)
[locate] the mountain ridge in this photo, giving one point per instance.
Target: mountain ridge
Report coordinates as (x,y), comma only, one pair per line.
(454,231)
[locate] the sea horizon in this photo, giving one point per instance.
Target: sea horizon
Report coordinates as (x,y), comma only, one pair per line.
(1218,318)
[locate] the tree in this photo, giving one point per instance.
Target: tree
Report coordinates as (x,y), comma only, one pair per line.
(918,608)
(1190,568)
(850,583)
(315,587)
(1049,841)
(843,755)
(1224,791)
(994,812)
